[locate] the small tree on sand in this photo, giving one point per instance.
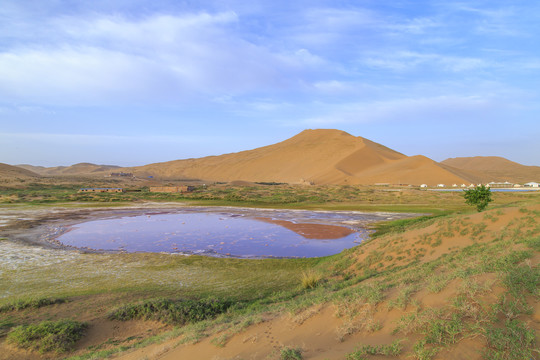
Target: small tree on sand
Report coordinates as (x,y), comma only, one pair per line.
(479,197)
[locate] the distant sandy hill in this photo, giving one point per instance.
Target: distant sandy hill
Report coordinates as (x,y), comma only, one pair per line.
(14,172)
(77,169)
(495,168)
(313,156)
(320,157)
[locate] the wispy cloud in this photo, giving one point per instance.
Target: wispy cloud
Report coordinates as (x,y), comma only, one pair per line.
(407,60)
(414,111)
(115,59)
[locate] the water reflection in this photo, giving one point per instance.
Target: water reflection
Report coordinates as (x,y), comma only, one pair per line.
(213,231)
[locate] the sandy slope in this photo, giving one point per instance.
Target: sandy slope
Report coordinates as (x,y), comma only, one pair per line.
(319,157)
(10,172)
(313,156)
(77,169)
(494,168)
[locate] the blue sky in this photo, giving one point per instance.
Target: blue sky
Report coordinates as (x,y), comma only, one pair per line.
(139,81)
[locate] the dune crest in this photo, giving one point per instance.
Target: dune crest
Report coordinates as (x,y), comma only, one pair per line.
(321,156)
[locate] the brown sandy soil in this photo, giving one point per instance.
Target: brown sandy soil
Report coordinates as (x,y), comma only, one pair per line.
(318,336)
(331,330)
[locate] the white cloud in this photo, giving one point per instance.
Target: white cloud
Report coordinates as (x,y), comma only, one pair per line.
(416,26)
(507,20)
(114,59)
(426,110)
(408,60)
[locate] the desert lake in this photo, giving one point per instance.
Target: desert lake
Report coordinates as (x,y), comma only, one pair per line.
(226,232)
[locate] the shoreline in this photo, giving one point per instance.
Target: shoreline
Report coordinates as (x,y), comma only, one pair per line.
(38,227)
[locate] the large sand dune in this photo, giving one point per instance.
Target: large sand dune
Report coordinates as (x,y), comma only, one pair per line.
(319,157)
(313,156)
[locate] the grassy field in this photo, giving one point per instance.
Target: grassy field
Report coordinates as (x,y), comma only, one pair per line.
(335,197)
(455,251)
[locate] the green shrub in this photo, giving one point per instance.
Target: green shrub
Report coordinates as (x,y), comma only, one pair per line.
(58,336)
(5,325)
(178,312)
(423,352)
(393,349)
(31,303)
(533,243)
(513,342)
(479,197)
(443,332)
(291,354)
(523,279)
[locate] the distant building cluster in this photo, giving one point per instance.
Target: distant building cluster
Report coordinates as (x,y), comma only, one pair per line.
(101,190)
(493,184)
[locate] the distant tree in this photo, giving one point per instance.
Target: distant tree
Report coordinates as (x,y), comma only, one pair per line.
(479,197)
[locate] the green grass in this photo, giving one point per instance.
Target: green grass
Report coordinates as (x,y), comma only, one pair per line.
(523,279)
(6,323)
(422,351)
(177,312)
(399,226)
(48,336)
(30,303)
(514,341)
(393,349)
(291,354)
(443,331)
(159,275)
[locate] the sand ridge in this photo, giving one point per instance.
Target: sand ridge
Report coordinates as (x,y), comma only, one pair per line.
(321,157)
(318,156)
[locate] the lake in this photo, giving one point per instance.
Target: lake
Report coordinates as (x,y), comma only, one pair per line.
(227,232)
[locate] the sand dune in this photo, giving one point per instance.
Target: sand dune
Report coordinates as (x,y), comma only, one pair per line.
(495,168)
(320,157)
(11,172)
(313,156)
(77,169)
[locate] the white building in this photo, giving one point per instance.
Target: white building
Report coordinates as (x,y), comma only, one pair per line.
(532,184)
(423,186)
(441,185)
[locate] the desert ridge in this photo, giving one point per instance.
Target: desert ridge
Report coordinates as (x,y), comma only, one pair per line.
(495,168)
(318,157)
(13,172)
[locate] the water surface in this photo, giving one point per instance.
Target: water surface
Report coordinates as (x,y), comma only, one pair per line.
(226,232)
